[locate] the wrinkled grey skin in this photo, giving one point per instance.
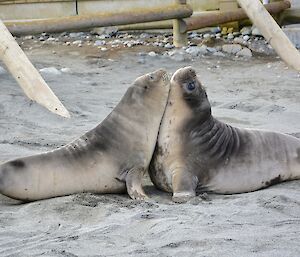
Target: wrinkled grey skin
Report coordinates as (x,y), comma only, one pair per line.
(108,159)
(196,152)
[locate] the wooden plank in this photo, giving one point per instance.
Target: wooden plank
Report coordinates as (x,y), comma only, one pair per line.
(5,2)
(26,75)
(272,32)
(99,20)
(207,19)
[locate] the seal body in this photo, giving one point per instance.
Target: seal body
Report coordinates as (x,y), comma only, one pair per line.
(108,159)
(196,152)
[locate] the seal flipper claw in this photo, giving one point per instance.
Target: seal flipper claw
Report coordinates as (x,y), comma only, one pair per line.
(134,184)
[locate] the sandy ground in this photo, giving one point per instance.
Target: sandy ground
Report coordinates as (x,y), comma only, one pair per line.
(258,93)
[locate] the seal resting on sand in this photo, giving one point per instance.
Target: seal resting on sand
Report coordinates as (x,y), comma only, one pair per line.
(196,152)
(108,159)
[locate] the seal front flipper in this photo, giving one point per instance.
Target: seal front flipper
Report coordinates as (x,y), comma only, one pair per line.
(133,179)
(184,186)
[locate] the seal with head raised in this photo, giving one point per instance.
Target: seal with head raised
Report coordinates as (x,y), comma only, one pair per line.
(108,159)
(196,152)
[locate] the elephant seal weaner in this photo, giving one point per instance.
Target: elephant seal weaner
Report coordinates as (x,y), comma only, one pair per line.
(196,151)
(108,159)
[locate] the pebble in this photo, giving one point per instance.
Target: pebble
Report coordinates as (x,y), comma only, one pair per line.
(215,30)
(169,46)
(178,55)
(51,39)
(50,70)
(76,34)
(246,38)
(103,49)
(77,42)
(99,43)
(105,31)
(207,35)
(246,31)
(230,36)
(218,35)
(238,40)
(231,48)
(196,50)
(245,52)
(28,37)
(256,32)
(152,54)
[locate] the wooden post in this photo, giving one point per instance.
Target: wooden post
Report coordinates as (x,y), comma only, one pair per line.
(229,5)
(272,32)
(26,75)
(179,37)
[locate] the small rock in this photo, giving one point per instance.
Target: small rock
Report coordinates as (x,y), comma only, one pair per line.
(193,35)
(76,34)
(246,31)
(108,31)
(2,70)
(246,38)
(103,49)
(215,30)
(238,40)
(207,35)
(50,70)
(245,52)
(169,46)
(51,39)
(218,35)
(77,42)
(99,43)
(196,50)
(28,37)
(256,32)
(231,48)
(152,54)
(230,36)
(65,70)
(68,43)
(178,55)
(63,34)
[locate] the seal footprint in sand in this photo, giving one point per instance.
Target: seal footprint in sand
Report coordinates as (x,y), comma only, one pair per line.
(196,152)
(108,159)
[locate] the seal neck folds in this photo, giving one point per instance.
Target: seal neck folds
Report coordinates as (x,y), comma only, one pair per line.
(212,137)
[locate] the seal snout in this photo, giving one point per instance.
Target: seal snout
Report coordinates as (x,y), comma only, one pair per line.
(184,74)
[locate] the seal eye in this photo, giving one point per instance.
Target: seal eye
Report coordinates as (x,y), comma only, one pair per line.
(191,85)
(151,77)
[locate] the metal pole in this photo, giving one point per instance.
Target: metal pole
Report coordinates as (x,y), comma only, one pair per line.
(179,37)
